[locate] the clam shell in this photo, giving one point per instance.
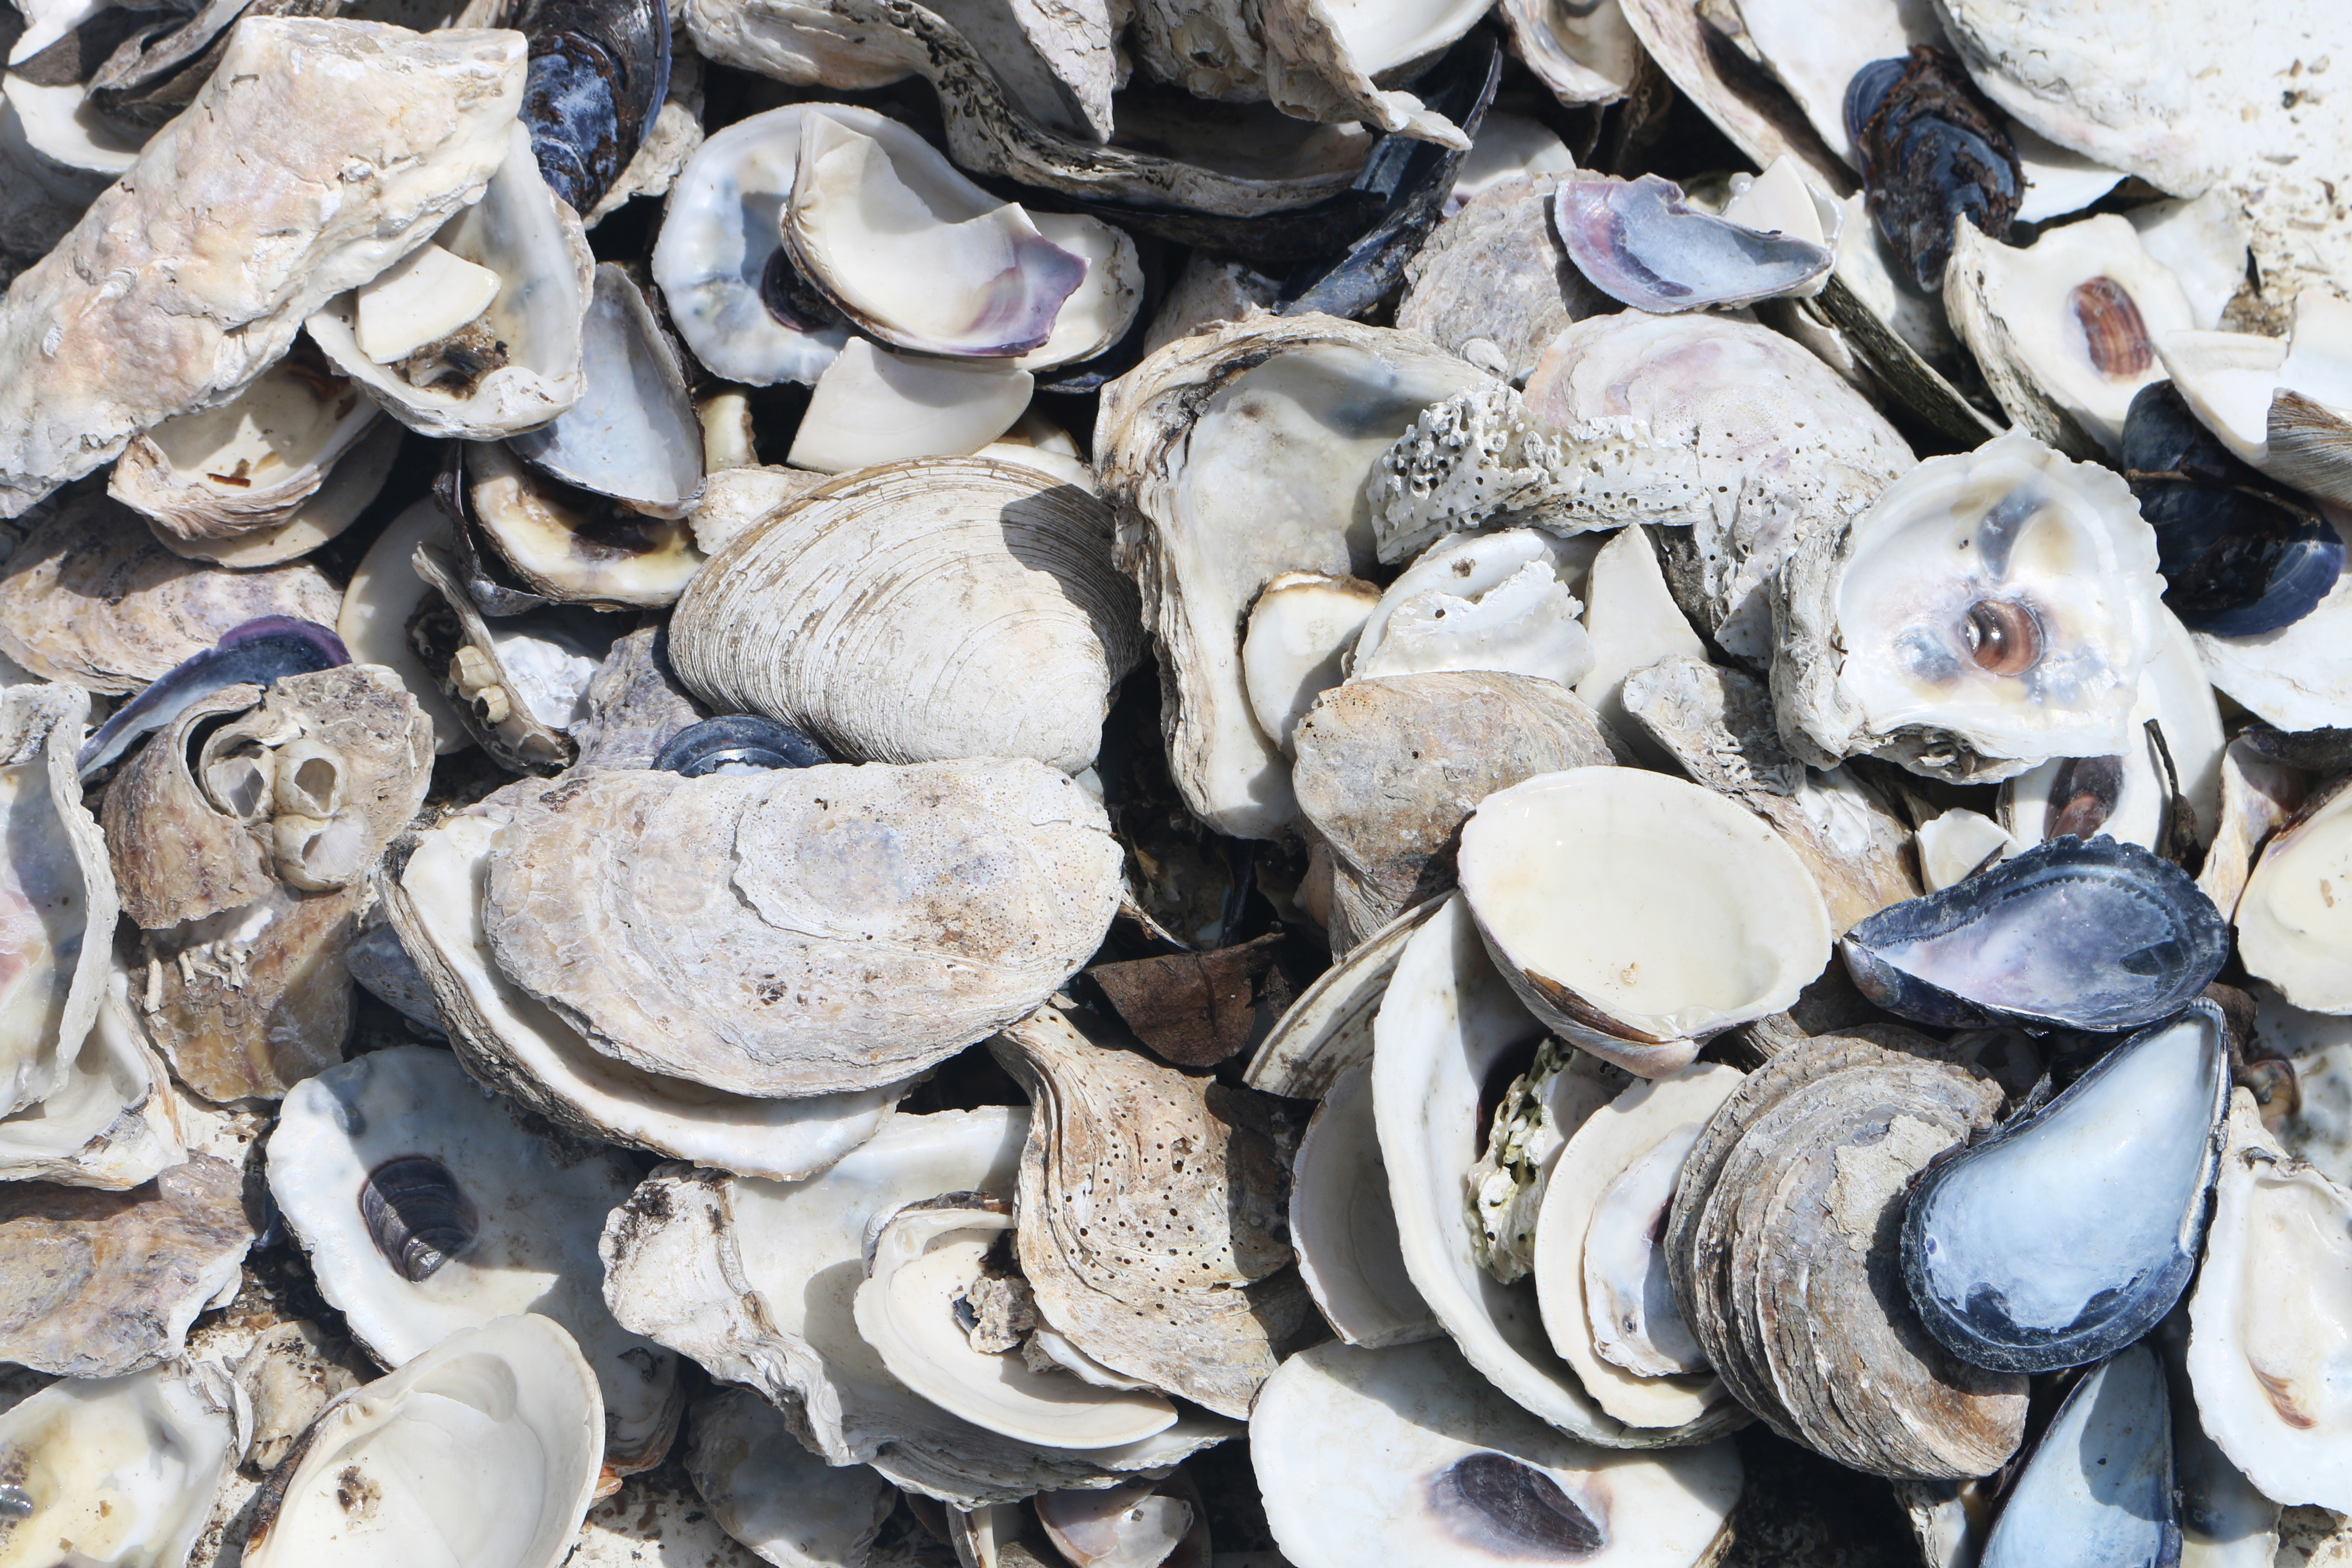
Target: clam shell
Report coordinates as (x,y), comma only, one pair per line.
(927,610)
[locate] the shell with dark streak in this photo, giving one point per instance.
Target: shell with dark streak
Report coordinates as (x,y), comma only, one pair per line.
(598,70)
(1932,149)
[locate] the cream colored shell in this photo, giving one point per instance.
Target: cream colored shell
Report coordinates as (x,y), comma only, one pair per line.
(936,608)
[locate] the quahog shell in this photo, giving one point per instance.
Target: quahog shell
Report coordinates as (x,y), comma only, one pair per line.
(927,610)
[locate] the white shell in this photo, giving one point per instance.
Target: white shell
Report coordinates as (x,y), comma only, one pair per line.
(922,611)
(1357,1453)
(484,1450)
(113,1122)
(57,900)
(524,233)
(1344,1228)
(2285,408)
(1991,609)
(118,1469)
(1637,914)
(872,406)
(1300,633)
(1477,602)
(2269,1319)
(768,1492)
(538,1209)
(2290,930)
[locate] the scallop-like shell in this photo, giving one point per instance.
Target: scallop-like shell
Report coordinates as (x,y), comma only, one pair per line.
(938,608)
(1153,1215)
(90,598)
(801,931)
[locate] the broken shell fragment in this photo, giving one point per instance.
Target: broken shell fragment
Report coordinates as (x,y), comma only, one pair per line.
(910,251)
(1989,610)
(2004,1277)
(1640,243)
(2267,1319)
(769,1492)
(2281,406)
(1406,1455)
(1301,632)
(58,897)
(1492,601)
(2068,933)
(2101,1478)
(313,90)
(823,861)
(487,1443)
(872,407)
(991,571)
(1686,914)
(110,1282)
(427,1207)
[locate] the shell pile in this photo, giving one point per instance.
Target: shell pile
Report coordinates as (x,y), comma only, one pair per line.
(1225,783)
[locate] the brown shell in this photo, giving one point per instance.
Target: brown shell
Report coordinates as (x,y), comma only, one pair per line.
(1153,1208)
(801,931)
(176,856)
(91,598)
(1782,1245)
(1388,769)
(99,1284)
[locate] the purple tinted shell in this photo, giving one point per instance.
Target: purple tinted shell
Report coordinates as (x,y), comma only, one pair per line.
(256,653)
(1640,243)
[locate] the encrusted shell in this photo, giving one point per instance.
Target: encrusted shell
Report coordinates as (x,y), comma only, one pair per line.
(938,608)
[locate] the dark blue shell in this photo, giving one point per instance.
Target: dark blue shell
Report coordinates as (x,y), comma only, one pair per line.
(598,70)
(2098,1491)
(2069,1231)
(259,652)
(1931,150)
(737,741)
(2241,555)
(2067,935)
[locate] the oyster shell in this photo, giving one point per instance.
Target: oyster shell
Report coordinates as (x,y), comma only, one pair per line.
(2286,917)
(1330,1029)
(2004,1277)
(2065,329)
(1121,1150)
(1495,272)
(1492,601)
(107,1283)
(1783,1248)
(1584,53)
(428,1207)
(771,1493)
(756,1280)
(1389,770)
(2279,405)
(1780,449)
(1405,1455)
(318,91)
(1690,915)
(829,859)
(1989,610)
(90,598)
(517,364)
(119,1470)
(112,1124)
(632,435)
(2068,933)
(487,1444)
(383,595)
(1300,633)
(573,545)
(2267,1315)
(57,890)
(991,572)
(1233,456)
(517,686)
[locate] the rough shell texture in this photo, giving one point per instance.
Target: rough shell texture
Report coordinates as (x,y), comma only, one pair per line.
(104,1283)
(151,308)
(1495,270)
(91,598)
(802,932)
(1388,769)
(1211,449)
(1121,1151)
(1784,1250)
(940,608)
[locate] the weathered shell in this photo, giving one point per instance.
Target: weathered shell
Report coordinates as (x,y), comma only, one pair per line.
(114,1122)
(91,598)
(938,608)
(768,1491)
(1389,770)
(632,435)
(2286,920)
(2067,934)
(338,204)
(255,654)
(1121,1153)
(756,1280)
(598,70)
(636,706)
(1931,153)
(1495,270)
(1783,1248)
(1234,455)
(572,546)
(597,906)
(515,692)
(57,895)
(106,1283)
(511,1043)
(1330,1029)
